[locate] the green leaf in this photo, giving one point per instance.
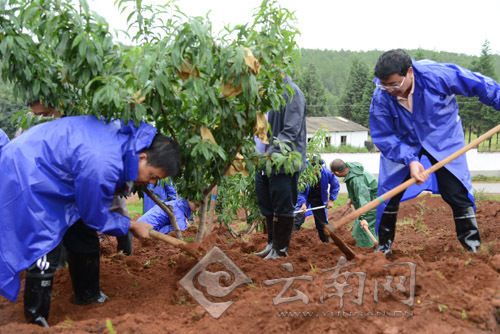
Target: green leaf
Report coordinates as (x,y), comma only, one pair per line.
(82,48)
(36,89)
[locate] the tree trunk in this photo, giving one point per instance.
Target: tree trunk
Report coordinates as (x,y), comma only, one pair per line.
(203,218)
(168,211)
(470,132)
(211,211)
(489,145)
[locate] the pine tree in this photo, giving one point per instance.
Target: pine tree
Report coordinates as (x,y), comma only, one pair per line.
(354,104)
(314,91)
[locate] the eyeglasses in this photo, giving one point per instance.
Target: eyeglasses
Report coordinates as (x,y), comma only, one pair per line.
(392,87)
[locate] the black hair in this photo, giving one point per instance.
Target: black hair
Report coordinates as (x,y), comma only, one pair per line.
(338,165)
(31,102)
(392,61)
(164,153)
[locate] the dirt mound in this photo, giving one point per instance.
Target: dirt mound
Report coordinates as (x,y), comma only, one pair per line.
(430,285)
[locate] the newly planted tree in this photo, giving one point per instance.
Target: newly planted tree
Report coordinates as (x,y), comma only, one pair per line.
(204,89)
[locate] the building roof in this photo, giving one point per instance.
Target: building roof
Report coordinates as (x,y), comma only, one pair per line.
(333,124)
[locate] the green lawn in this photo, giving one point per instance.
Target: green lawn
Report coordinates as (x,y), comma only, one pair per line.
(484,146)
(135,209)
(482,178)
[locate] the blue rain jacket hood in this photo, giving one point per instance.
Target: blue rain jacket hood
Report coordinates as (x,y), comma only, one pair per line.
(434,124)
(163,192)
(56,173)
(159,218)
(327,179)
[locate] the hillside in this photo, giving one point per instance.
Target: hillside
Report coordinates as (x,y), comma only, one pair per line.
(334,66)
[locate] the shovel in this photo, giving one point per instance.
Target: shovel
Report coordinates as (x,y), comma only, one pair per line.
(391,193)
(192,249)
(310,209)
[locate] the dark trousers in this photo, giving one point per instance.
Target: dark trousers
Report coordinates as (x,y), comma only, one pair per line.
(451,189)
(277,194)
(81,239)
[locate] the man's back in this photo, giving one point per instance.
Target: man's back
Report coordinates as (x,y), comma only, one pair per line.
(57,173)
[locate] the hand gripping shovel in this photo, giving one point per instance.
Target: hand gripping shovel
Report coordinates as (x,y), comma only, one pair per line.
(391,193)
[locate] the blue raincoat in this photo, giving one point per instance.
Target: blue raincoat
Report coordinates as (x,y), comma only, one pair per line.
(164,192)
(4,139)
(434,124)
(327,178)
(56,173)
(159,218)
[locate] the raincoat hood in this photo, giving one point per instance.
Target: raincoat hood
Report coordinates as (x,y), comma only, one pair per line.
(355,169)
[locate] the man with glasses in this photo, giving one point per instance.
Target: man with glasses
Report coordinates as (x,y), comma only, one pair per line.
(414,122)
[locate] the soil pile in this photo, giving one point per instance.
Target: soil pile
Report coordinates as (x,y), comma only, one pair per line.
(430,285)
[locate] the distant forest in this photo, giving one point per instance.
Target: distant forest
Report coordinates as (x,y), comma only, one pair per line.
(340,83)
(333,67)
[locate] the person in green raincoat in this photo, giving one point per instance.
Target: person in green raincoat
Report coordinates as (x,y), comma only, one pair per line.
(362,189)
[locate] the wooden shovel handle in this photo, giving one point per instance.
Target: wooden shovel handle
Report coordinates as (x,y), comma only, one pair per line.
(367,230)
(171,240)
(391,193)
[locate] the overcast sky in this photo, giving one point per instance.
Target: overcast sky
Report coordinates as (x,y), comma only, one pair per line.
(442,25)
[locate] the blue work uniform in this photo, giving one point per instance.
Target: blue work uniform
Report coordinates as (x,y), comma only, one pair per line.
(57,173)
(160,220)
(433,126)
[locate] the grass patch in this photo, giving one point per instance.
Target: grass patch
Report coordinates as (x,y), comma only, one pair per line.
(420,226)
(135,209)
(442,307)
(485,145)
(109,326)
(341,200)
(405,221)
(344,149)
(490,197)
(482,178)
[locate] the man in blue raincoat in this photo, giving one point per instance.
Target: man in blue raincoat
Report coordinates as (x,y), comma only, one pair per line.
(323,193)
(160,221)
(165,192)
(58,180)
(414,122)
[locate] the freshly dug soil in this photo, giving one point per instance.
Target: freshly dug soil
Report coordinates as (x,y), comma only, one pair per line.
(453,291)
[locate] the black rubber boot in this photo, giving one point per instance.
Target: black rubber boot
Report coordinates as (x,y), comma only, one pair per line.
(84,271)
(269,246)
(283,226)
(37,292)
(125,244)
(320,226)
(386,232)
(466,227)
(298,221)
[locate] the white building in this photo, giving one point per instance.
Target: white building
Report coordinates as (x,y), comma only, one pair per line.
(341,131)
